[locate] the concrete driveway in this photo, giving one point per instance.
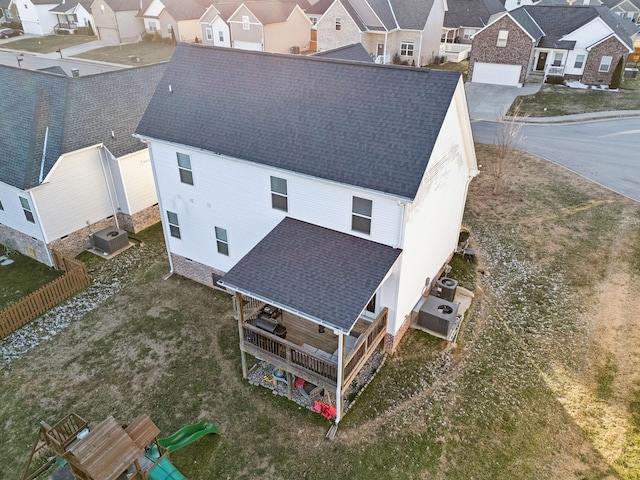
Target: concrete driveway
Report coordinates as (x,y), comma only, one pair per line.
(487,102)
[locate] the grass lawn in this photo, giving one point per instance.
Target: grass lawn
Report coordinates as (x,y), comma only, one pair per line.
(462,67)
(146,52)
(544,382)
(562,100)
(23,276)
(48,44)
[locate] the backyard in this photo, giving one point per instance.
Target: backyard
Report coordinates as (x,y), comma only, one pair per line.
(140,53)
(23,276)
(543,383)
(47,43)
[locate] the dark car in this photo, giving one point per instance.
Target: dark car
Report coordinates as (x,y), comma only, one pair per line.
(10,32)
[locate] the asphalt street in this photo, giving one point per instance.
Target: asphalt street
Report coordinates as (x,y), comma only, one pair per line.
(32,62)
(605,151)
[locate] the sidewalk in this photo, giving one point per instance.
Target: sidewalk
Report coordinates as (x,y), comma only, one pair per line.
(580,117)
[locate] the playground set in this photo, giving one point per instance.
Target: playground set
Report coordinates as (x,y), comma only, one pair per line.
(110,451)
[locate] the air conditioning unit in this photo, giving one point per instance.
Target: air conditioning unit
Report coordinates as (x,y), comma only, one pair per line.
(447,288)
(110,240)
(438,315)
(295,50)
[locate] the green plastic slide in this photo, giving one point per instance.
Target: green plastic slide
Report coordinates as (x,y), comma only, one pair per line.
(187,435)
(165,471)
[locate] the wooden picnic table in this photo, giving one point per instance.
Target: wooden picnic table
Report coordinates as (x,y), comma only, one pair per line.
(106,452)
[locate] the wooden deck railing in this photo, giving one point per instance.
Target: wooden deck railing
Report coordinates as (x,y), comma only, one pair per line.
(365,347)
(289,356)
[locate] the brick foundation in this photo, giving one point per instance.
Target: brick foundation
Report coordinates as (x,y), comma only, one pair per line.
(24,244)
(140,220)
(193,270)
(78,241)
(391,342)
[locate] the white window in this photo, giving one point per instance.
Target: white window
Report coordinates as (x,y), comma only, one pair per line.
(221,35)
(557,59)
(169,29)
(502,38)
(361,215)
(579,61)
(184,167)
(153,27)
(174,226)
(468,32)
(1,206)
(245,22)
(26,208)
(605,64)
(279,199)
(338,23)
(221,241)
(209,33)
(406,49)
(25,5)
(102,9)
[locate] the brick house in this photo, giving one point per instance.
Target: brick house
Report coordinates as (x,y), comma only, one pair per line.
(582,43)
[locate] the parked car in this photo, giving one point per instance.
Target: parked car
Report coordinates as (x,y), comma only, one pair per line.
(10,32)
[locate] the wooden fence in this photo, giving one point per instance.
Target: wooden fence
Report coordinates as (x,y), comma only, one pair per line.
(36,303)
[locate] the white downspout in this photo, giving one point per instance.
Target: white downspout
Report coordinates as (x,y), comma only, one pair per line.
(339,379)
(403,219)
(44,154)
(103,160)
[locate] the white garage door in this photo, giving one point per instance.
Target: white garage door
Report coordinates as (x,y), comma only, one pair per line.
(496,73)
(109,35)
(247,46)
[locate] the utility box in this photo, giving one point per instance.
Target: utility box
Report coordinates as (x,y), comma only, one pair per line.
(447,288)
(110,240)
(438,315)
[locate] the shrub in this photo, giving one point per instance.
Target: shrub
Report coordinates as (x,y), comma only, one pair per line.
(396,60)
(555,80)
(616,78)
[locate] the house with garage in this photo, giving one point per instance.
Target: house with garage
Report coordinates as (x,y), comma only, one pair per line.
(269,26)
(397,30)
(582,43)
(8,12)
(73,17)
(45,17)
(36,17)
(118,21)
(175,20)
(318,193)
(71,166)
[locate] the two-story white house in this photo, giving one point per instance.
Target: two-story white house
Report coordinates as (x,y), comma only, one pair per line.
(331,191)
(70,163)
(44,17)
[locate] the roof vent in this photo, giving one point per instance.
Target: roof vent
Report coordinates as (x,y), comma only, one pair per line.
(110,240)
(438,315)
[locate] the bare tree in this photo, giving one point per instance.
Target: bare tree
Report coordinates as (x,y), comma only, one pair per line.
(508,136)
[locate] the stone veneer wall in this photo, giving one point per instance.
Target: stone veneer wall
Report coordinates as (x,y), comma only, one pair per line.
(196,271)
(517,51)
(140,220)
(78,241)
(611,47)
(24,244)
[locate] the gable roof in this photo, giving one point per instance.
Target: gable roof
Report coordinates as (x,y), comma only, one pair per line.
(471,13)
(183,9)
(127,5)
(71,5)
(314,7)
(71,113)
(354,53)
(276,110)
(393,14)
(309,259)
(268,12)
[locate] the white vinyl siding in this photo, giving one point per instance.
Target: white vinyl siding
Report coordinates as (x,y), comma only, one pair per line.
(133,180)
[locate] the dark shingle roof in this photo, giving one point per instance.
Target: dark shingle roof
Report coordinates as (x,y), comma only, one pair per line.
(471,13)
(352,123)
(186,9)
(354,53)
(70,5)
(322,274)
(382,9)
(126,5)
(78,112)
(525,20)
(412,14)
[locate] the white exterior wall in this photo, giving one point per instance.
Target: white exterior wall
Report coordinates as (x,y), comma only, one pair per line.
(36,19)
(589,34)
(133,182)
(434,218)
(12,214)
(84,18)
(570,61)
(430,40)
(188,30)
(74,194)
(511,4)
(217,25)
(236,196)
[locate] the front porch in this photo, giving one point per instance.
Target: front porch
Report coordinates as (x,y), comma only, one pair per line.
(301,349)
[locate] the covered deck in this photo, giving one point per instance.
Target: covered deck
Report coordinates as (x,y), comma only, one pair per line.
(309,320)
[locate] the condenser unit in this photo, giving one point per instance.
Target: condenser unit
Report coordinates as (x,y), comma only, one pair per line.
(110,240)
(438,315)
(447,288)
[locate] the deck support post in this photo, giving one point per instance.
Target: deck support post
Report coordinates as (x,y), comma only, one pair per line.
(341,365)
(289,376)
(239,314)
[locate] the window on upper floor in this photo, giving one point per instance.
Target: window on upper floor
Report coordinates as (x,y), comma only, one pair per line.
(102,9)
(174,226)
(221,35)
(245,22)
(338,23)
(503,35)
(279,199)
(209,33)
(221,241)
(468,32)
(26,208)
(314,20)
(169,29)
(579,63)
(25,5)
(557,59)
(605,64)
(406,49)
(361,215)
(184,167)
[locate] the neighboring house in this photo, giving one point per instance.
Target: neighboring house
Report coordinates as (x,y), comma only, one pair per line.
(629,9)
(73,17)
(314,185)
(582,43)
(118,21)
(176,20)
(70,164)
(269,26)
(513,4)
(405,30)
(464,18)
(36,17)
(353,53)
(8,12)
